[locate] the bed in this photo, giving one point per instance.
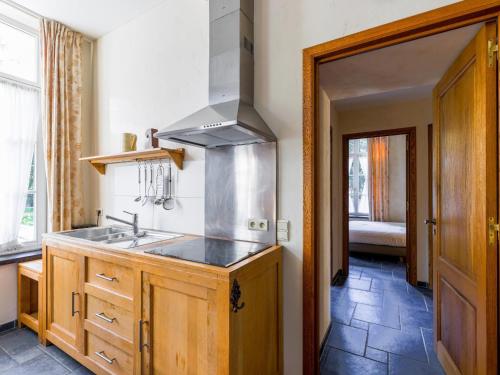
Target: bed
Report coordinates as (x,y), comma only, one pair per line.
(377,237)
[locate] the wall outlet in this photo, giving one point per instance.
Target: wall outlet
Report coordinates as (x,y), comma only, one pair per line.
(258,224)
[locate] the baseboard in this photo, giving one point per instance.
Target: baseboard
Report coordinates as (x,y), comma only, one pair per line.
(8,326)
(336,277)
(423,284)
(323,342)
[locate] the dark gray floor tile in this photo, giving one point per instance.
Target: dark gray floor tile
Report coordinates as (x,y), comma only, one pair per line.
(399,274)
(428,336)
(416,318)
(337,293)
(362,284)
(354,274)
(409,344)
(404,299)
(387,315)
(347,338)
(366,263)
(338,362)
(41,365)
(359,324)
(363,296)
(342,311)
(20,344)
(82,371)
(6,362)
(377,274)
(376,355)
(387,284)
(399,365)
(429,303)
(61,357)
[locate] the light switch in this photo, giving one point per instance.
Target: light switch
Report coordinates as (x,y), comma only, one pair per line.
(282,230)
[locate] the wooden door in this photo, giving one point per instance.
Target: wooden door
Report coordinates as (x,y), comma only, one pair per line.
(465,197)
(178,327)
(64,298)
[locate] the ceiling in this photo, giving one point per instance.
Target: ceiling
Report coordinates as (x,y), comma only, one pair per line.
(408,70)
(94,18)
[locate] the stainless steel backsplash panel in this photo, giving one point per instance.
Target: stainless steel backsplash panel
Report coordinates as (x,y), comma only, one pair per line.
(240,183)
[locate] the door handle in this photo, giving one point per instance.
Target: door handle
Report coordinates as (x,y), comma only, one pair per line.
(141,336)
(430,221)
(73,312)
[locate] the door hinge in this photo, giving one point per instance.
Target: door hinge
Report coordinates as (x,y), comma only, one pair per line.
(492,50)
(493,229)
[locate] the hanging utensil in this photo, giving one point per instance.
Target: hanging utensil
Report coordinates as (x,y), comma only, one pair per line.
(138,199)
(145,198)
(168,203)
(160,177)
(151,190)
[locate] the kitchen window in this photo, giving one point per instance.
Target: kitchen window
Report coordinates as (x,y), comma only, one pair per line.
(358,178)
(23,191)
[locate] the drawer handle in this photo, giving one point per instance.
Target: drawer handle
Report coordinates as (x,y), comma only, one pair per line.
(104,277)
(103,356)
(105,318)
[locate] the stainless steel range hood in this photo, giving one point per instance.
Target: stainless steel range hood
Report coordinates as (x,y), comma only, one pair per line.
(230,118)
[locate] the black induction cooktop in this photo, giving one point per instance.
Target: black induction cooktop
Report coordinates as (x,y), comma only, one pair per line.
(217,252)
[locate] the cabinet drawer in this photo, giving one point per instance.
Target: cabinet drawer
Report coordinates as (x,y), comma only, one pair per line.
(110,276)
(108,357)
(110,317)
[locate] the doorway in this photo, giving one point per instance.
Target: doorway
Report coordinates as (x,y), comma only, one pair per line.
(415,28)
(381,234)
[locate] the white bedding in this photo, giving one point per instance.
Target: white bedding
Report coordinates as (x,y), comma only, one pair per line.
(377,233)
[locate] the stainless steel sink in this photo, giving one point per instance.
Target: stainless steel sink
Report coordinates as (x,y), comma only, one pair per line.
(119,236)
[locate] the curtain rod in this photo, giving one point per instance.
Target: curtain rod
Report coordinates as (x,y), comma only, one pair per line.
(33,14)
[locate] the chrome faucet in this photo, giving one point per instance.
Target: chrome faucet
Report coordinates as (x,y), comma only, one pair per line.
(134,223)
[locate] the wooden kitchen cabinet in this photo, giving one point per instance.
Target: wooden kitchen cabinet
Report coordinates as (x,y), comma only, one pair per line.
(63,298)
(137,313)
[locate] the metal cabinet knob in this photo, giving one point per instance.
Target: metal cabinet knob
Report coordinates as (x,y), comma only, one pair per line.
(430,221)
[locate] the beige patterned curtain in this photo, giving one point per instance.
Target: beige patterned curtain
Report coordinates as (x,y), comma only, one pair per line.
(61,117)
(378,170)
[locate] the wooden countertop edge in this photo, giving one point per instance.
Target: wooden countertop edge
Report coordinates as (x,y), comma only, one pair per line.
(54,239)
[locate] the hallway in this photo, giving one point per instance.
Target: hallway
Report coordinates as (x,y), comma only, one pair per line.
(380,323)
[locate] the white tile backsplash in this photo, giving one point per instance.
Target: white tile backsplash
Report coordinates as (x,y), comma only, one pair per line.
(188,189)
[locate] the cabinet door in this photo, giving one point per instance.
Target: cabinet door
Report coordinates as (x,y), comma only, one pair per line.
(178,327)
(64,298)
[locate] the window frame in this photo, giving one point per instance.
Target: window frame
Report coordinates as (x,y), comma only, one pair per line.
(355,155)
(40,183)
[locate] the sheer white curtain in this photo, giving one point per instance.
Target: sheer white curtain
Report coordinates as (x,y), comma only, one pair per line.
(19,118)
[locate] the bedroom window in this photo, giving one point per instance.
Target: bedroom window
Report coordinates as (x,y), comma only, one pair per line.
(358,175)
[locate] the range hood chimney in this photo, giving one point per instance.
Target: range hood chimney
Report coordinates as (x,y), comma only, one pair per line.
(230,118)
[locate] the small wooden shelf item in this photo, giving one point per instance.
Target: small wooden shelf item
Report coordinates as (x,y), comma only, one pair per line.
(29,295)
(100,162)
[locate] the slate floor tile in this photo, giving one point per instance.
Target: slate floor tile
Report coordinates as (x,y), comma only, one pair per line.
(416,318)
(362,296)
(82,371)
(362,284)
(342,311)
(348,338)
(5,361)
(20,344)
(359,262)
(359,324)
(387,315)
(428,336)
(41,365)
(389,284)
(56,353)
(409,344)
(338,362)
(399,365)
(377,274)
(399,274)
(376,355)
(404,299)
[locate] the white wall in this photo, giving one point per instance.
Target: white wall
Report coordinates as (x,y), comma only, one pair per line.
(416,113)
(397,178)
(149,73)
(155,70)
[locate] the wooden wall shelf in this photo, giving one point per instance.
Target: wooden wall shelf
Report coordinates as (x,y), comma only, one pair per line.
(100,162)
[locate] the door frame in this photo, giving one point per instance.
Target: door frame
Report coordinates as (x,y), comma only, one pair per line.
(411,196)
(436,21)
